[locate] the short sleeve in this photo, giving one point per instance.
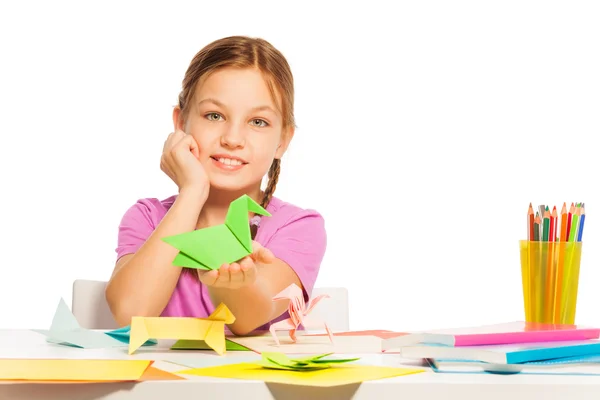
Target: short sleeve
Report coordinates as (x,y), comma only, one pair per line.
(137,224)
(301,243)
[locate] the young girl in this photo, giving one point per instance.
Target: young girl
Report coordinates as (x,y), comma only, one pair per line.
(233,123)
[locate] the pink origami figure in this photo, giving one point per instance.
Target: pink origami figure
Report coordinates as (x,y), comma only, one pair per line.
(297,310)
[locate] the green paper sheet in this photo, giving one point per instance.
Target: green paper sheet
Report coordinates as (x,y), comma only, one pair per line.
(211,247)
(282,361)
(201,345)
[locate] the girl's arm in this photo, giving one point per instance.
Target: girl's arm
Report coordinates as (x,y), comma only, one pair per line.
(294,255)
(252,305)
(142,283)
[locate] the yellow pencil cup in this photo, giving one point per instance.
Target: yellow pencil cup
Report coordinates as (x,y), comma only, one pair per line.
(550,279)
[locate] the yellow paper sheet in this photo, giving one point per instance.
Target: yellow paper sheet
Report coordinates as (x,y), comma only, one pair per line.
(211,330)
(339,375)
(312,344)
(150,374)
(72,369)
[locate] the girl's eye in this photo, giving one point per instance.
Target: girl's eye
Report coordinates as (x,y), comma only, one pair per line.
(259,122)
(213,116)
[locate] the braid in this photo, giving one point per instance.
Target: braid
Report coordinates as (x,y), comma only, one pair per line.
(268,195)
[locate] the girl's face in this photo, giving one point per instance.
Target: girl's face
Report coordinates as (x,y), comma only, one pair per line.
(237,126)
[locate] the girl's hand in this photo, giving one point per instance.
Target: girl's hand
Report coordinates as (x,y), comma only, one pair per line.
(180,161)
(239,274)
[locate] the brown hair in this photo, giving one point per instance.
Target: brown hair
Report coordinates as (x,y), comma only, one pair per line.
(245,52)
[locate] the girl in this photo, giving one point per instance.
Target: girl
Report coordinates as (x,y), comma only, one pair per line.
(233,123)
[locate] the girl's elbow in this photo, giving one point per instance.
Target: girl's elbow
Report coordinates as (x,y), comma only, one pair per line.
(122,309)
(249,325)
(242,329)
(120,314)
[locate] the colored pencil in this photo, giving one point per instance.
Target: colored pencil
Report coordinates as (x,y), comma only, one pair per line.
(530,223)
(574,220)
(581,221)
(569,217)
(553,218)
(536,227)
(563,223)
(546,227)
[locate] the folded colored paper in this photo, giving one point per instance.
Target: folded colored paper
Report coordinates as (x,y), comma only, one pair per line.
(72,369)
(123,334)
(211,247)
(211,330)
(184,344)
(297,310)
(282,361)
(340,375)
(65,330)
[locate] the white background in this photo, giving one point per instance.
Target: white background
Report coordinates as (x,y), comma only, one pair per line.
(424,131)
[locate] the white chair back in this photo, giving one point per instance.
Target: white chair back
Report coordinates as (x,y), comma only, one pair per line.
(333,310)
(91,309)
(89,305)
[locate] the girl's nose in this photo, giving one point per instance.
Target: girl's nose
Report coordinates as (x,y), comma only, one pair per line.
(233,136)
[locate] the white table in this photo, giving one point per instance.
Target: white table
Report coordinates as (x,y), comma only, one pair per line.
(430,385)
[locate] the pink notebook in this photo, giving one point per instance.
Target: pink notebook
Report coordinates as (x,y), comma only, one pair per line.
(506,333)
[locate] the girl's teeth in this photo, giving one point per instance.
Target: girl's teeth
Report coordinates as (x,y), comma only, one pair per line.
(228,161)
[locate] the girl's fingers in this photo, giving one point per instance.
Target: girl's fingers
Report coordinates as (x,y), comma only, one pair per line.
(231,276)
(261,254)
(249,269)
(246,264)
(236,275)
(224,276)
(209,278)
(167,144)
(173,139)
(192,145)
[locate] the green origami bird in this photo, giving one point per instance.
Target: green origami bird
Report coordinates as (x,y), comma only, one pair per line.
(211,247)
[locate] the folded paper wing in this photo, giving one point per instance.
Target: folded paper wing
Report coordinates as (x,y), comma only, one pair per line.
(211,247)
(210,329)
(206,248)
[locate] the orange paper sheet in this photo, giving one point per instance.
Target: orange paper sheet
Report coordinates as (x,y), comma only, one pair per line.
(340,375)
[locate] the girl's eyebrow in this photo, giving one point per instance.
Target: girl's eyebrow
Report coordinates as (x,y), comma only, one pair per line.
(211,100)
(220,104)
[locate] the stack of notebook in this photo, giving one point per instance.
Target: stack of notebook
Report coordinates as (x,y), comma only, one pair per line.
(505,348)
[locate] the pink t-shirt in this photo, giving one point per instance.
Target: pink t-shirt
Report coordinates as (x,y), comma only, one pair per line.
(296,236)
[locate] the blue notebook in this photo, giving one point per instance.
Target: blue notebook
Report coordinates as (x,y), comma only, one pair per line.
(580,365)
(504,354)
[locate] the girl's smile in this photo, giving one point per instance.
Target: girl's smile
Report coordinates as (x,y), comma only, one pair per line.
(227,162)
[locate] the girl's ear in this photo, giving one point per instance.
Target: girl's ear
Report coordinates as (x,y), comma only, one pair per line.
(177,119)
(286,138)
